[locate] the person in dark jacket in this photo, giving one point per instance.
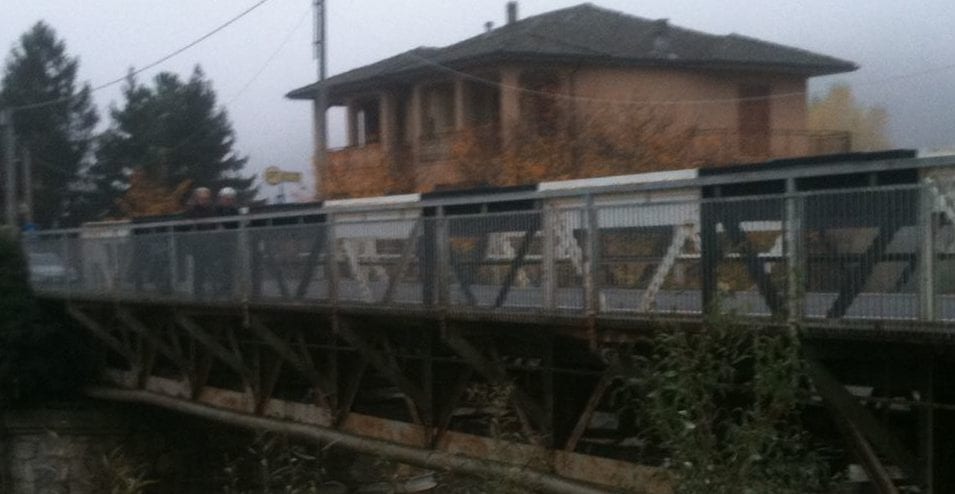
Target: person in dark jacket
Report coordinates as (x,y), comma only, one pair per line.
(227,241)
(203,252)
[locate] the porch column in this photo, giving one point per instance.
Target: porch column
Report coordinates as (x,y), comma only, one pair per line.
(388,120)
(320,159)
(510,103)
(351,111)
(460,104)
(417,121)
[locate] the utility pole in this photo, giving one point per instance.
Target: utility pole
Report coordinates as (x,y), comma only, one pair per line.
(9,168)
(321,95)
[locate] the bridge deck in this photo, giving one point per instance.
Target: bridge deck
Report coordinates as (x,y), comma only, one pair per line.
(884,255)
(381,323)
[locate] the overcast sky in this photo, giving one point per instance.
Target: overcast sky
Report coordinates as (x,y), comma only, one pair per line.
(905,49)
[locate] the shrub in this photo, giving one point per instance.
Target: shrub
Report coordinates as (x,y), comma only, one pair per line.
(723,407)
(43,355)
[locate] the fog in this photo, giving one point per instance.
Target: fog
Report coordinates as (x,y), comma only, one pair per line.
(904,50)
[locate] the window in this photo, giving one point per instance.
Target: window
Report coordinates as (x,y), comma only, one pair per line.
(438,110)
(368,122)
(754,120)
(539,104)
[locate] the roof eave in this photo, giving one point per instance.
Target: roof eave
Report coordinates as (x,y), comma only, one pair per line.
(308,92)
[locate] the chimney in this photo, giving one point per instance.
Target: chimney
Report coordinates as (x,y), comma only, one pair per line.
(511,12)
(661,38)
(488,26)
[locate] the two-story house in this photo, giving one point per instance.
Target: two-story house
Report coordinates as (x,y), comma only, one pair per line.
(574,93)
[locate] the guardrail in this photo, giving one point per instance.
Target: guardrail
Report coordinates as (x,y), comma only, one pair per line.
(874,254)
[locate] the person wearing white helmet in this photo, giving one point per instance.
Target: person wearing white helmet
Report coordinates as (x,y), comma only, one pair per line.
(226,205)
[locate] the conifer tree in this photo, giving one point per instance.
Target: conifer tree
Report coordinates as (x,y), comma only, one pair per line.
(59,133)
(169,133)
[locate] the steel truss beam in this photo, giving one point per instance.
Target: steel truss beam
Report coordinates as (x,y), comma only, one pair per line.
(432,367)
(385,363)
(299,359)
(867,437)
(532,414)
(640,479)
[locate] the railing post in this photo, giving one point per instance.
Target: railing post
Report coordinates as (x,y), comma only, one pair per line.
(442,250)
(115,245)
(65,253)
(548,255)
(591,290)
(795,258)
(331,259)
(173,261)
(244,261)
(926,273)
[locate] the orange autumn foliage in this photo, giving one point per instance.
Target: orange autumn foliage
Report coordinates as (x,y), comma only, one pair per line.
(554,143)
(599,142)
(359,172)
(149,197)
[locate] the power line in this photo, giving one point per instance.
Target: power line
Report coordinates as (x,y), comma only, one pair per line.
(150,65)
(231,100)
(272,57)
(777,96)
(251,80)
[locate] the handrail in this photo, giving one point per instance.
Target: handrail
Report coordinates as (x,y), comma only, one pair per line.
(830,169)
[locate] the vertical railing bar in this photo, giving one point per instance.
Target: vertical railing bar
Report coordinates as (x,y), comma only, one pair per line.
(245,262)
(65,252)
(796,267)
(549,266)
(331,260)
(926,274)
(114,247)
(173,262)
(591,289)
(442,249)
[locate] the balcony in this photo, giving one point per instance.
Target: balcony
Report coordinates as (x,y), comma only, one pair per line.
(359,171)
(457,158)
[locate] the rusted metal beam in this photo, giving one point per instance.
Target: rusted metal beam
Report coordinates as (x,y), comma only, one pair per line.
(383,364)
(147,359)
(495,373)
(418,415)
(862,430)
(927,426)
(588,412)
(101,333)
(547,376)
(453,399)
(220,352)
(520,474)
(174,355)
(268,378)
(302,364)
(350,390)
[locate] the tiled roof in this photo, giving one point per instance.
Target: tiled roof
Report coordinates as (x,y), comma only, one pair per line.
(590,34)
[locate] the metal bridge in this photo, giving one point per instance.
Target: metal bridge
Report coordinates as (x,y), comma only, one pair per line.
(377,323)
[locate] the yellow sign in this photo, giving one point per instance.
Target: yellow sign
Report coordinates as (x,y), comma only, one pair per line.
(275,176)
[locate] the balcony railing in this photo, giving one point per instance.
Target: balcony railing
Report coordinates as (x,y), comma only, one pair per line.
(721,146)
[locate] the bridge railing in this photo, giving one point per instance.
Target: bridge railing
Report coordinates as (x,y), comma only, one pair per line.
(882,253)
